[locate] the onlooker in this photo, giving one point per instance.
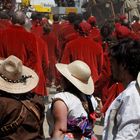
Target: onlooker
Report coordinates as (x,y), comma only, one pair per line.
(131,9)
(71,113)
(21,114)
(122,119)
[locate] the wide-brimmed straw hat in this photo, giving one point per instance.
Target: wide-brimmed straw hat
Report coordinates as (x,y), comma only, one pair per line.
(15,77)
(79,74)
(138,79)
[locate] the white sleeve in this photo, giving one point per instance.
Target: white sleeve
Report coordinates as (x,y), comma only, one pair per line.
(128,119)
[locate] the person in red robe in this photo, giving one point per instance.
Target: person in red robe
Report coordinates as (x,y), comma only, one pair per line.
(54,52)
(56,25)
(85,49)
(67,30)
(37,23)
(41,66)
(95,31)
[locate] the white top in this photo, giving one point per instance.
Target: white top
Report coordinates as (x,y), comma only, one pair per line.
(122,119)
(73,104)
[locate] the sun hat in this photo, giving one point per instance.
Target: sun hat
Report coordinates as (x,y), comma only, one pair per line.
(138,79)
(16,78)
(79,74)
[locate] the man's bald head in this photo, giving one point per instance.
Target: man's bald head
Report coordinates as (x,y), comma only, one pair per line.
(18,18)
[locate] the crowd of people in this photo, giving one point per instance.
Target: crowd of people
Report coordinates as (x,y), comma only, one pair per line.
(94,69)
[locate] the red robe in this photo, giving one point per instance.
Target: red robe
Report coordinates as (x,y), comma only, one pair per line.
(66,29)
(53,55)
(37,28)
(41,66)
(136,26)
(95,35)
(87,50)
(4,23)
(56,28)
(15,40)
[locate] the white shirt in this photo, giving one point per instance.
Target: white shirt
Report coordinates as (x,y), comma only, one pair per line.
(74,105)
(122,120)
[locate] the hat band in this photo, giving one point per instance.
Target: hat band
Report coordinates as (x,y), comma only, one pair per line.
(85,82)
(21,80)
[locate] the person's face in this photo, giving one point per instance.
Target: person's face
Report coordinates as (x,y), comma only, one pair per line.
(115,69)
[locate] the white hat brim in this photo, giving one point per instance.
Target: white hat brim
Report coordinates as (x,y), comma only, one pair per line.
(20,88)
(86,88)
(138,79)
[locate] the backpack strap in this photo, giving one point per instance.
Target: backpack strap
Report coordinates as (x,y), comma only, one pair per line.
(32,108)
(12,127)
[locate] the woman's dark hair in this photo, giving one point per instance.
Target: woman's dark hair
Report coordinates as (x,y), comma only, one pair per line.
(127,53)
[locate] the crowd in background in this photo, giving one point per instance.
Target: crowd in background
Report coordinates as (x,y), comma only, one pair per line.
(41,43)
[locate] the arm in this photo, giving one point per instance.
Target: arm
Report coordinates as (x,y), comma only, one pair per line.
(59,111)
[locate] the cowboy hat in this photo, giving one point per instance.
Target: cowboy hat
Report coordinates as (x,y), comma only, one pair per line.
(79,74)
(16,78)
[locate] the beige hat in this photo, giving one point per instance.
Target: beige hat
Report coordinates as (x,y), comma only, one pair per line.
(138,79)
(79,74)
(16,78)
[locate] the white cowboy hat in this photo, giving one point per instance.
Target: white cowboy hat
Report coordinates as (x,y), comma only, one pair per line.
(79,74)
(16,78)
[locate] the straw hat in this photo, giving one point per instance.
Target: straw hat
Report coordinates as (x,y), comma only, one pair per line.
(79,74)
(138,79)
(16,78)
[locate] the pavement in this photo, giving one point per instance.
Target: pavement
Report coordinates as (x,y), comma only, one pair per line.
(98,129)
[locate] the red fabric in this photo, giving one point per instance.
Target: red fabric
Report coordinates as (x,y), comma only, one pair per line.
(113,92)
(92,19)
(135,35)
(56,28)
(4,23)
(53,55)
(66,29)
(95,35)
(103,82)
(15,40)
(122,17)
(136,26)
(85,26)
(122,31)
(83,48)
(37,28)
(41,66)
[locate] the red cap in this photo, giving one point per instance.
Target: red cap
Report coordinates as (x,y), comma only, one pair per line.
(123,31)
(85,27)
(91,19)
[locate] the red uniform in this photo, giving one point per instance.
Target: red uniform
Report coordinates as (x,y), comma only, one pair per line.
(37,28)
(15,40)
(4,23)
(53,55)
(65,30)
(56,28)
(95,35)
(85,49)
(41,66)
